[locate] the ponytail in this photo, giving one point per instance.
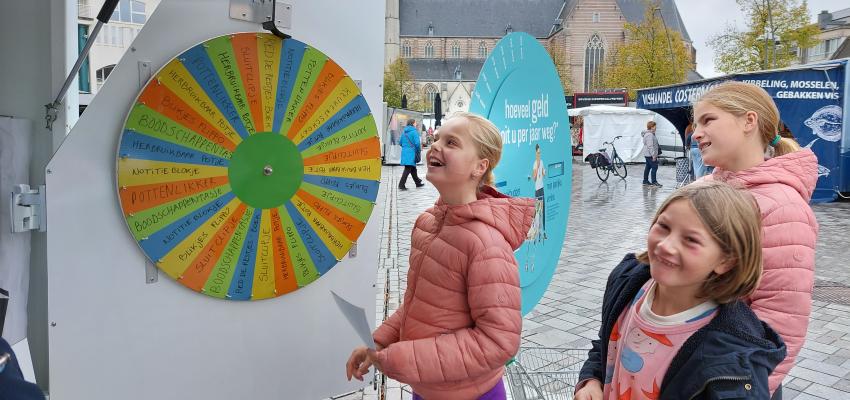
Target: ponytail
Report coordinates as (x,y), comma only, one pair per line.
(489,178)
(785,146)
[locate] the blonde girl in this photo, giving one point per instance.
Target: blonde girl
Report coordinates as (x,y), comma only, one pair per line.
(737,132)
(460,320)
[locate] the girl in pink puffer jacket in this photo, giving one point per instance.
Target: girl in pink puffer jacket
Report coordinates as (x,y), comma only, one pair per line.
(460,321)
(736,128)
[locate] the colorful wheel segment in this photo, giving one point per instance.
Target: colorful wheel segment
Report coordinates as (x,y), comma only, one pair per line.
(248,166)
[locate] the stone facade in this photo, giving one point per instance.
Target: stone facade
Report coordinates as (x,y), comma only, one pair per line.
(589,18)
(391,45)
(446,42)
(446,47)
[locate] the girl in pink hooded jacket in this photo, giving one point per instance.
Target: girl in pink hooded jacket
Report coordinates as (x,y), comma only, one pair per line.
(460,321)
(736,128)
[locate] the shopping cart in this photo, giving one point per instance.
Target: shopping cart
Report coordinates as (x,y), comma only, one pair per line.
(544,373)
(684,170)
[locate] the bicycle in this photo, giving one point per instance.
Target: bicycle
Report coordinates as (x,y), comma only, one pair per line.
(615,163)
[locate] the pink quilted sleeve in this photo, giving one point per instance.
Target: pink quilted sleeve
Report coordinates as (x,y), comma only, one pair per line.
(493,294)
(784,296)
(388,332)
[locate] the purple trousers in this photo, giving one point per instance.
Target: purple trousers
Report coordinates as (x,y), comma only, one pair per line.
(496,393)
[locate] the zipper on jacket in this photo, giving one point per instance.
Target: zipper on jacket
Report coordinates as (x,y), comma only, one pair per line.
(742,378)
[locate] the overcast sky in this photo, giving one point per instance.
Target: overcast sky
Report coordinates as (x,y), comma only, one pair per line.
(706,18)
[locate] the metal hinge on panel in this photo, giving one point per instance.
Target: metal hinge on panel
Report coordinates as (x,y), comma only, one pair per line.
(28,209)
(273,15)
(151,272)
(145,73)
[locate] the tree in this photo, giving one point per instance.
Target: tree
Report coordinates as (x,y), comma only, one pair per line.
(415,99)
(772,38)
(558,52)
(398,80)
(650,56)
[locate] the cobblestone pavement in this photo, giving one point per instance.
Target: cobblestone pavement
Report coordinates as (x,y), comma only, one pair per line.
(608,220)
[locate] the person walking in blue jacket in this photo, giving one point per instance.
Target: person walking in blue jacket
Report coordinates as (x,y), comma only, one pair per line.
(411,146)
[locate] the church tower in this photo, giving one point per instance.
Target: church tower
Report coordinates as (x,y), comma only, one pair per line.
(391,34)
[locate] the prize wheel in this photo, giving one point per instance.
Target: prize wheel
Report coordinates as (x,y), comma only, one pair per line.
(248,166)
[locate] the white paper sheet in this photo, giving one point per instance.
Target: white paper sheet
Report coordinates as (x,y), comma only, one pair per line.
(356,316)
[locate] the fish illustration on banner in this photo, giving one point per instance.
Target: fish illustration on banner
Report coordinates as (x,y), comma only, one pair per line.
(825,124)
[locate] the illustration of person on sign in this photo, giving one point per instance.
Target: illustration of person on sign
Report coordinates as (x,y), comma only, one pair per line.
(537,232)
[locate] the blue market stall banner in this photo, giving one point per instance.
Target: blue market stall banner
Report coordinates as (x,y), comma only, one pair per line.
(811,102)
(518,89)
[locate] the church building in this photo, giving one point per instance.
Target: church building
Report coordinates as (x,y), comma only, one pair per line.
(446,42)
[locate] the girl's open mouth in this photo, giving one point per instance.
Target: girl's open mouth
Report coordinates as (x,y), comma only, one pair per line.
(432,162)
(666,262)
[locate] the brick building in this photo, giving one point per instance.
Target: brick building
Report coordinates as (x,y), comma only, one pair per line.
(446,41)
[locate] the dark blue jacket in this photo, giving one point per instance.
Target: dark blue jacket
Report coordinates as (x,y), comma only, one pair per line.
(12,383)
(730,358)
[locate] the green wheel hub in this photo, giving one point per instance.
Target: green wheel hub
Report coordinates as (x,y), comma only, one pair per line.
(265,170)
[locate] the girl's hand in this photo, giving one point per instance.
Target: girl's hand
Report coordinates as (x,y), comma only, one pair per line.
(372,356)
(359,362)
(592,390)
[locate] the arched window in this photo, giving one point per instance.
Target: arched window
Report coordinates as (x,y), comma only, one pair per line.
(430,94)
(594,58)
(406,50)
(429,50)
(455,50)
(482,50)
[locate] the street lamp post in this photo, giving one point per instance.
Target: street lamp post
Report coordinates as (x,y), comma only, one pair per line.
(669,42)
(772,37)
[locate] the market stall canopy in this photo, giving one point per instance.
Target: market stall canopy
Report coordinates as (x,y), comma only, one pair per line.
(603,109)
(602,123)
(812,102)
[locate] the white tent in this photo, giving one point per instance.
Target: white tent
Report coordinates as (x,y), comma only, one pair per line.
(602,123)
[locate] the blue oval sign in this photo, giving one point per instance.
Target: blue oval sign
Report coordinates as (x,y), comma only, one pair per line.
(518,89)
